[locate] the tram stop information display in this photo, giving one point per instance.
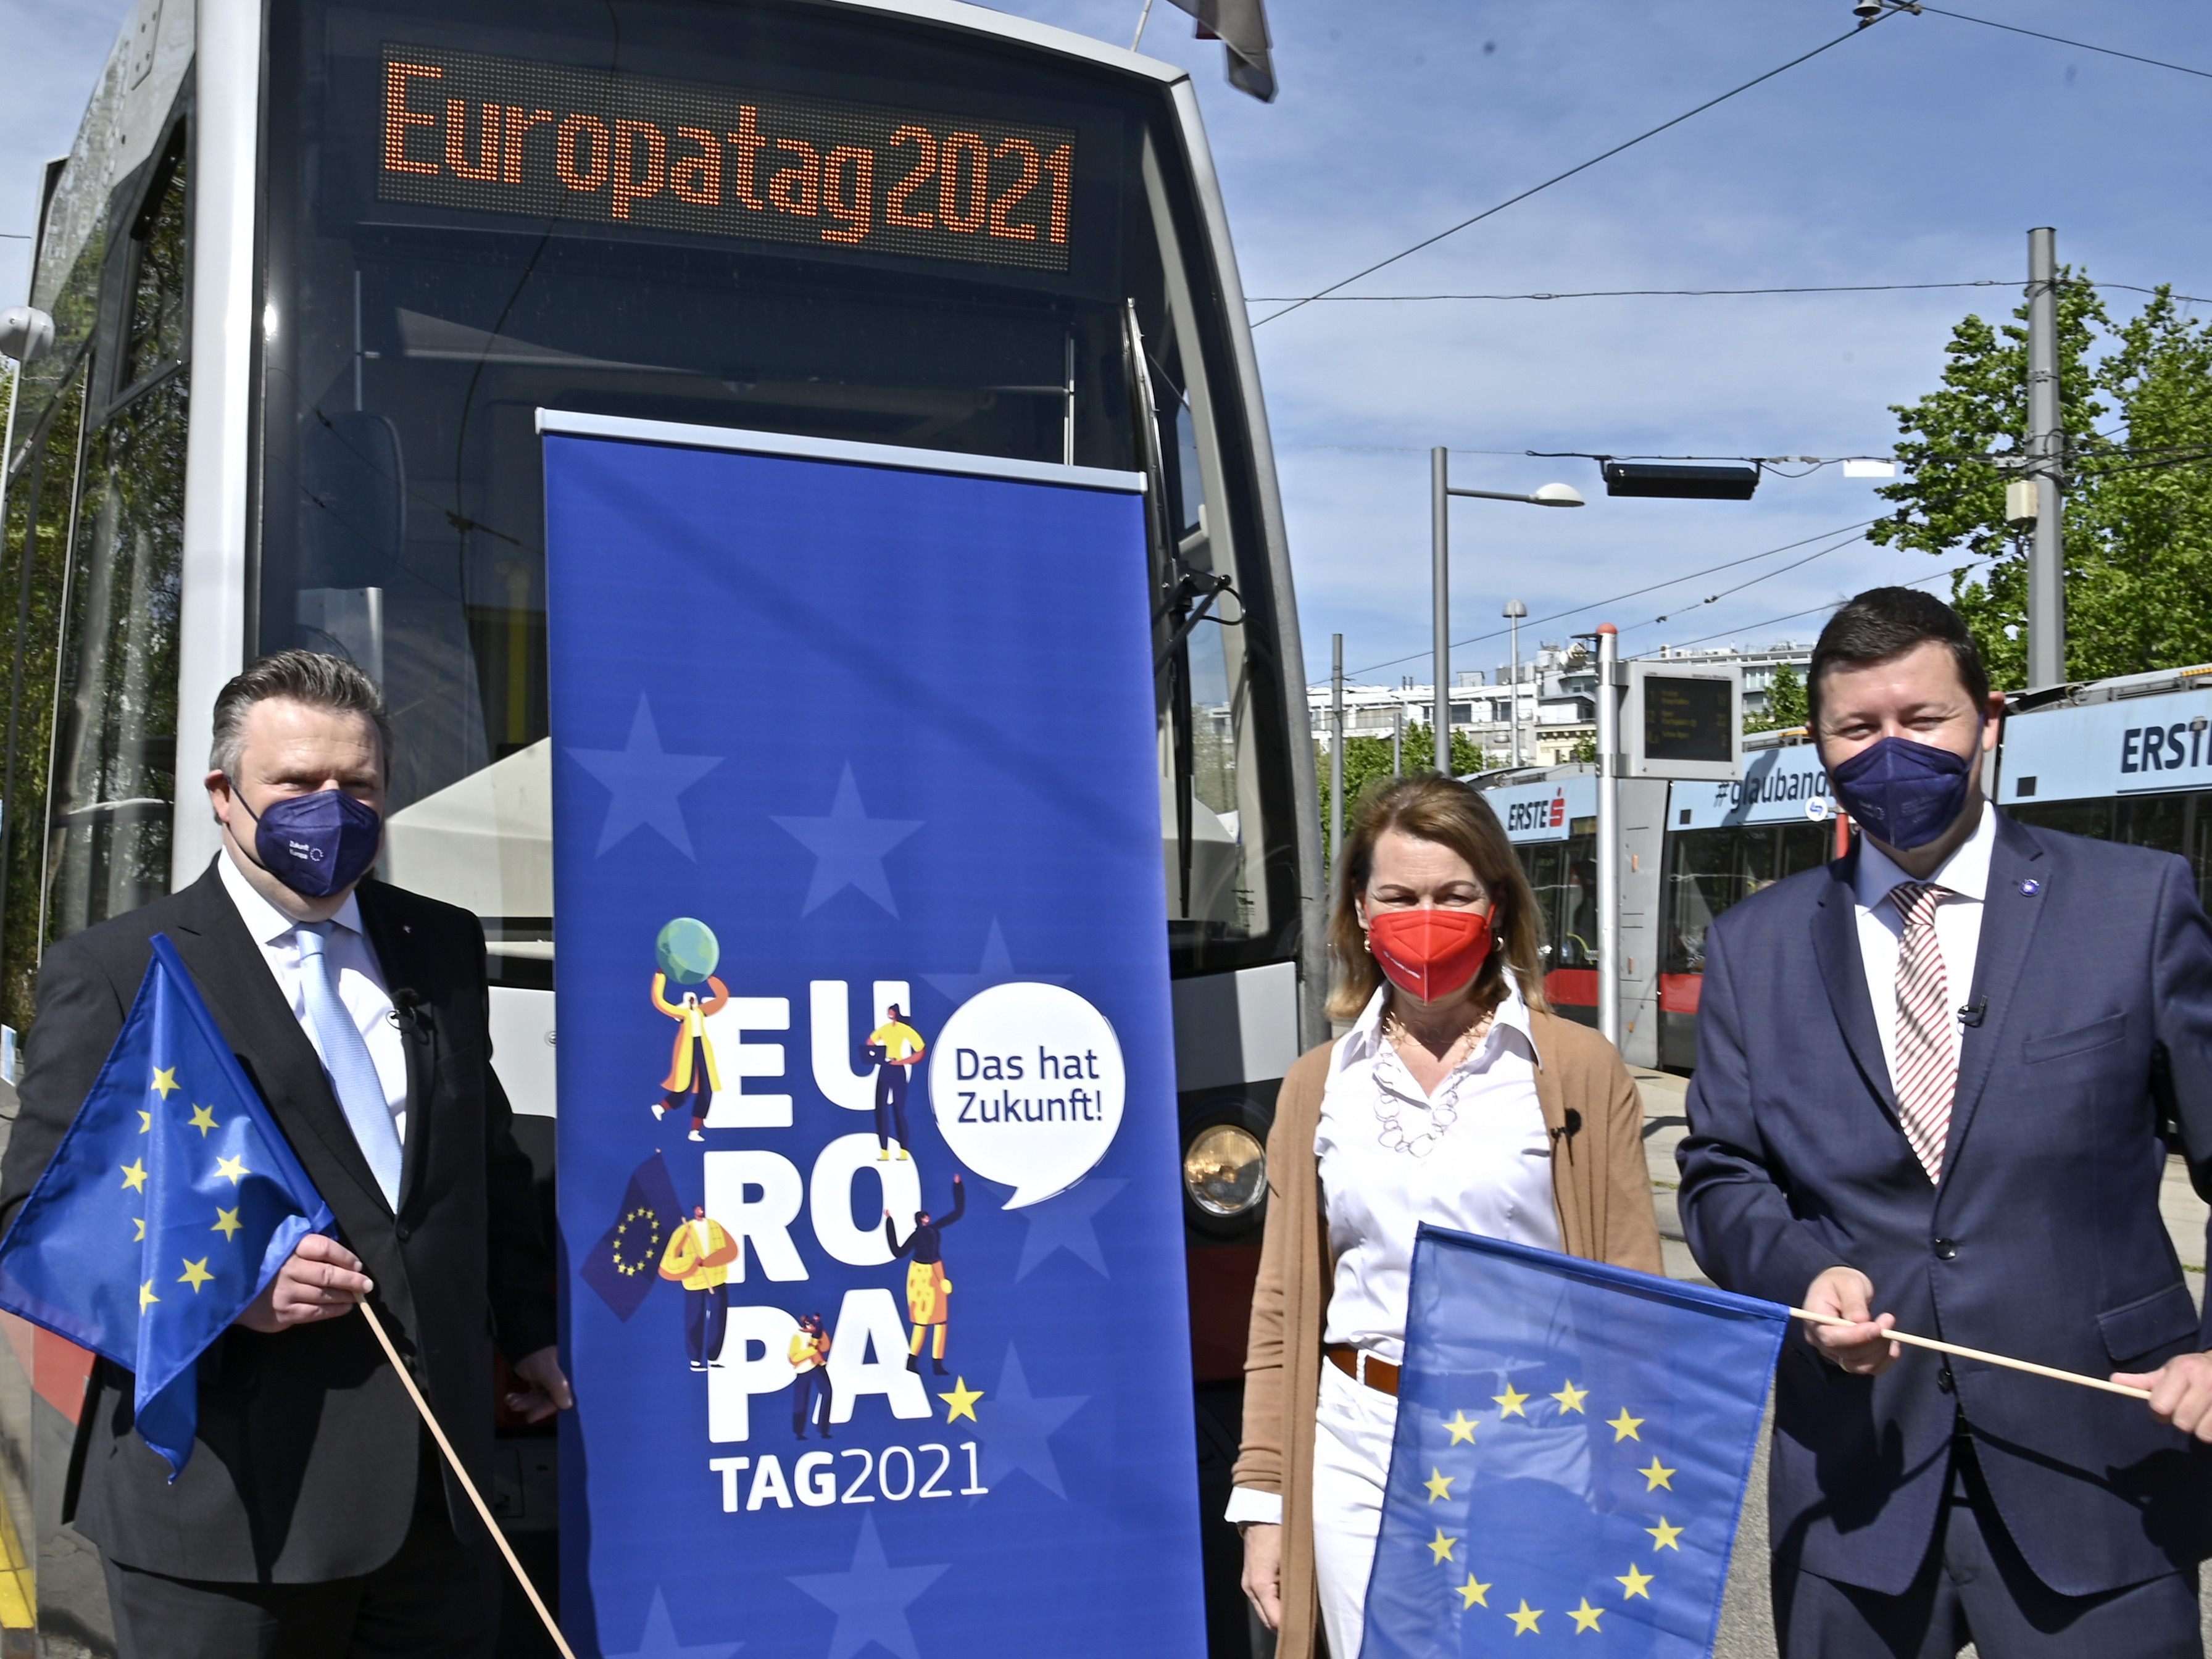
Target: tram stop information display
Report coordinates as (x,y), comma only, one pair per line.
(873,1234)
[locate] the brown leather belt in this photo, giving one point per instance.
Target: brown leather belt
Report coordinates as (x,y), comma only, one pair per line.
(1381,1375)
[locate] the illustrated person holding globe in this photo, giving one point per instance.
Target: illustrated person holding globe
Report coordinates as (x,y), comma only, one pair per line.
(928,1291)
(895,1047)
(688,953)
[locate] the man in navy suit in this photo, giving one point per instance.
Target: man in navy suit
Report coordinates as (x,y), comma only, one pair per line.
(1936,1086)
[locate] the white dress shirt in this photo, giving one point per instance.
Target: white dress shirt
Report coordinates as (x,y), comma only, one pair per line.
(360,981)
(1489,1172)
(1966,875)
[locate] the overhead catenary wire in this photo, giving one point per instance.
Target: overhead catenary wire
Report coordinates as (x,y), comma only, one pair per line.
(1561,178)
(1695,293)
(2060,39)
(1809,610)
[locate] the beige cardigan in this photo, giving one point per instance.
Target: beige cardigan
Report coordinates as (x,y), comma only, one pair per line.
(1598,1182)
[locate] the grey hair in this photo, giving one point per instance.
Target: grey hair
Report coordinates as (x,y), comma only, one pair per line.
(313,677)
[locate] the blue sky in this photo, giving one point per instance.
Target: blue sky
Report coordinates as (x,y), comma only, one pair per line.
(1919,152)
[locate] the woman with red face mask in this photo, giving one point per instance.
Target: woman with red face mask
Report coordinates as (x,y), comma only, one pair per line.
(1456,1097)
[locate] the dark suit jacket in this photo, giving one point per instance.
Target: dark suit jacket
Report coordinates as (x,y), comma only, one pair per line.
(2043,1241)
(305,1466)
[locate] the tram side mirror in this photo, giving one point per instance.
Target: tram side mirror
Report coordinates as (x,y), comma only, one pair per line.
(27,333)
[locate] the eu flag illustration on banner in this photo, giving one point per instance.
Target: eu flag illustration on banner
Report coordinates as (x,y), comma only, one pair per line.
(625,1264)
(1571,1449)
(169,1206)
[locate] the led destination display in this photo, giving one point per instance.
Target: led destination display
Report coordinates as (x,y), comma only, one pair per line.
(507,136)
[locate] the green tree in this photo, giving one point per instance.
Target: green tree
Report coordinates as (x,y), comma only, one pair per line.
(2135,400)
(1367,767)
(1785,702)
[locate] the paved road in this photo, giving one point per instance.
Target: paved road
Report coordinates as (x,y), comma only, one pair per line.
(1746,1625)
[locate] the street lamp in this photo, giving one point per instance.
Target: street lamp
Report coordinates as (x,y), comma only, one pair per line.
(1441,490)
(1514,610)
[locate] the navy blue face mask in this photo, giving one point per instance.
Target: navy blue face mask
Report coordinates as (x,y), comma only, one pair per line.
(317,844)
(1904,793)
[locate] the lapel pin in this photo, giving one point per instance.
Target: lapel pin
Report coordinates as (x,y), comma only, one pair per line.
(2030,888)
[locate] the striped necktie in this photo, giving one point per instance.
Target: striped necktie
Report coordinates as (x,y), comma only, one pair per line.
(1927,1038)
(346,1058)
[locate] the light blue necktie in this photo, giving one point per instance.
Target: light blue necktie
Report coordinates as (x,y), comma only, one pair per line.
(345,1057)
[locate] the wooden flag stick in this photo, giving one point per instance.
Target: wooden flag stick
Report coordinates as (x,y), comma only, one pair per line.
(467,1485)
(2029,1366)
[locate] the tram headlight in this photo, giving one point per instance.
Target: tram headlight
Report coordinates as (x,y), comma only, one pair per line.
(1225,1171)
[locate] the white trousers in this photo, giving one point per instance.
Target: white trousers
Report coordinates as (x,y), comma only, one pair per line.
(1351,1462)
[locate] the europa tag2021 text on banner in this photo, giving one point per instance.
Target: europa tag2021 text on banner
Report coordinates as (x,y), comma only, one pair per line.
(867,1132)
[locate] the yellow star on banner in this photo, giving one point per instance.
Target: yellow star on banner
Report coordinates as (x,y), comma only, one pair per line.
(204,1119)
(1624,1427)
(145,1122)
(226,1222)
(1635,1583)
(195,1274)
(1473,1594)
(1461,1430)
(1656,1476)
(1439,1485)
(233,1167)
(1524,1622)
(1510,1403)
(134,1175)
(961,1402)
(1570,1398)
(146,1296)
(139,1222)
(165,1079)
(1441,1548)
(1586,1616)
(1663,1536)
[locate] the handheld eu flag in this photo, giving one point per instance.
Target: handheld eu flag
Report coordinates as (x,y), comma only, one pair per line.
(1570,1452)
(170,1204)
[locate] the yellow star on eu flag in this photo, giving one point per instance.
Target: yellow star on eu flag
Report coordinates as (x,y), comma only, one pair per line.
(165,1079)
(1636,1582)
(961,1402)
(139,1222)
(145,1122)
(1524,1622)
(1570,1398)
(1441,1548)
(1656,1476)
(1473,1594)
(146,1296)
(195,1274)
(1585,1616)
(134,1174)
(1624,1427)
(1510,1402)
(204,1119)
(232,1167)
(1439,1485)
(1460,1429)
(226,1222)
(1663,1536)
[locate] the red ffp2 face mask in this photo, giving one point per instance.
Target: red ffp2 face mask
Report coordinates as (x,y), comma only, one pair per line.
(1429,953)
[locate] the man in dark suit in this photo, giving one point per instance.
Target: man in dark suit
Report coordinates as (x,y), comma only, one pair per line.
(1934,1088)
(313,1517)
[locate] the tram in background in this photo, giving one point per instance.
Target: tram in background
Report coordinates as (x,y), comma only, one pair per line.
(312,267)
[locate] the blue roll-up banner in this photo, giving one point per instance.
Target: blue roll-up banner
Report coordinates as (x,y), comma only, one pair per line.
(868,1193)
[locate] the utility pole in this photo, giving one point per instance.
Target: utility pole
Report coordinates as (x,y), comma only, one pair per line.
(2047,463)
(1440,599)
(1514,610)
(1335,750)
(1608,833)
(1398,740)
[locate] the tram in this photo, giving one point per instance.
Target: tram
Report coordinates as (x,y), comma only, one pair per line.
(313,265)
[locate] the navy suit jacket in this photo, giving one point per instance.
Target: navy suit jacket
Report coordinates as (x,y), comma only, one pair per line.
(2043,1240)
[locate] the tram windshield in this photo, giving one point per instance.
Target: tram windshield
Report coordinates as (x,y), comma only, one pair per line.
(779,217)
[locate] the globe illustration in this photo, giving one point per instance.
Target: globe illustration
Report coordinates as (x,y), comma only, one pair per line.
(687,951)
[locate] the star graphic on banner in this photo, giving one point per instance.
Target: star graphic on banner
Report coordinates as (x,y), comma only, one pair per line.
(233,1168)
(658,1640)
(203,1121)
(645,781)
(997,968)
(871,1599)
(848,848)
(1473,1594)
(1524,1622)
(1624,1427)
(1022,1426)
(1570,1398)
(1461,1429)
(134,1175)
(165,1079)
(1439,1485)
(1511,1402)
(1441,1548)
(1635,1582)
(195,1274)
(1656,1476)
(226,1222)
(961,1402)
(1063,1223)
(1586,1616)
(1665,1535)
